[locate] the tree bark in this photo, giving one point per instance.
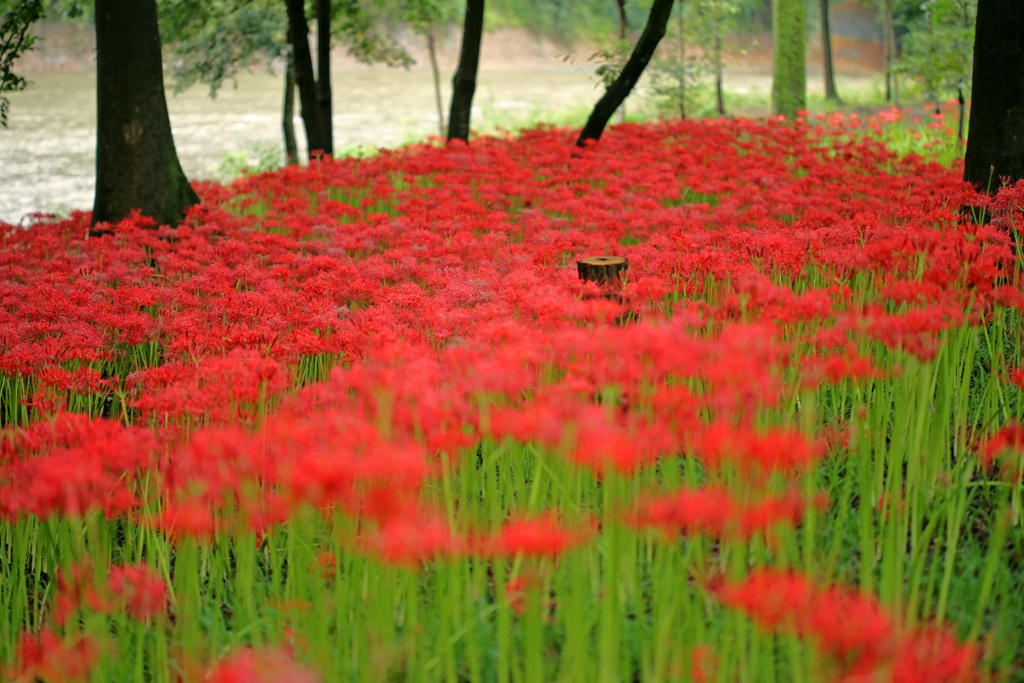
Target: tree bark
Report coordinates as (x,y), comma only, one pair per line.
(719,94)
(654,31)
(789,79)
(464,82)
(682,60)
(623,30)
(291,147)
(826,53)
(302,60)
(137,165)
(995,134)
(432,52)
(892,86)
(323,73)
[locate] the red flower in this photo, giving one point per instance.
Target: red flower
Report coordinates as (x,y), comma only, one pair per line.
(253,666)
(48,656)
(543,535)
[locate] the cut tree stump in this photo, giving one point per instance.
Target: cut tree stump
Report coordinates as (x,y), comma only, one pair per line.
(607,272)
(602,269)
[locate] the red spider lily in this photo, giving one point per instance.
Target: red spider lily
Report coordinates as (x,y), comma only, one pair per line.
(71,465)
(48,656)
(254,666)
(76,590)
(851,628)
(1007,447)
(413,538)
(757,452)
(140,588)
(535,536)
(717,512)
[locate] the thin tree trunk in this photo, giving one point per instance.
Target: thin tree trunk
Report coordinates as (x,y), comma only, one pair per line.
(826,53)
(789,79)
(682,60)
(304,78)
(623,28)
(995,133)
(323,73)
(291,147)
(137,165)
(719,95)
(654,31)
(432,52)
(464,82)
(892,86)
(960,122)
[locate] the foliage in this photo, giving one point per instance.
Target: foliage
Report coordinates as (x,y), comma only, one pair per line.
(16,38)
(678,74)
(938,51)
(212,42)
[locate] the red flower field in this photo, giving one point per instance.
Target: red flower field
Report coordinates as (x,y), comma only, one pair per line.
(362,420)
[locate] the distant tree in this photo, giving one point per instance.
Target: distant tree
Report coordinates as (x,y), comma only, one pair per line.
(826,52)
(619,89)
(137,165)
(464,81)
(892,85)
(789,76)
(938,51)
(995,141)
(425,17)
(16,38)
(212,41)
(318,140)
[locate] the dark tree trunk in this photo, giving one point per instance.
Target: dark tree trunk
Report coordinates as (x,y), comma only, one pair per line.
(464,83)
(620,88)
(623,30)
(826,53)
(291,147)
(432,53)
(719,95)
(302,61)
(995,135)
(682,60)
(892,86)
(323,73)
(137,166)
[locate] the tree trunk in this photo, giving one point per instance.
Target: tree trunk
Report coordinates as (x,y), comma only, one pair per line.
(789,79)
(432,52)
(323,73)
(892,86)
(309,102)
(995,134)
(654,31)
(961,119)
(719,95)
(291,147)
(623,29)
(682,60)
(826,53)
(137,166)
(464,82)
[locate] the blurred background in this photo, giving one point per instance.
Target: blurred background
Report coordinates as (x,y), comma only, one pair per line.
(541,61)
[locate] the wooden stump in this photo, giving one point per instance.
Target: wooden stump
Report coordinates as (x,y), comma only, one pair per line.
(607,272)
(603,270)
